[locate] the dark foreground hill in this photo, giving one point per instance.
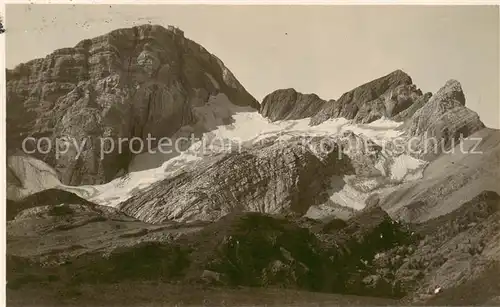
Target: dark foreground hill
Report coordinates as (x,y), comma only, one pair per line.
(83,247)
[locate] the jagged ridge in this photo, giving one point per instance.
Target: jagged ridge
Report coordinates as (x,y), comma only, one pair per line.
(127,83)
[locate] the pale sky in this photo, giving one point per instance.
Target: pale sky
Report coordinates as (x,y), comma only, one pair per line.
(326,50)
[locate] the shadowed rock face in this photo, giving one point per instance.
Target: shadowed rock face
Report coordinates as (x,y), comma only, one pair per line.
(288,104)
(127,83)
(436,121)
(444,119)
(51,197)
(240,249)
(385,96)
(369,254)
(255,249)
(392,96)
(278,178)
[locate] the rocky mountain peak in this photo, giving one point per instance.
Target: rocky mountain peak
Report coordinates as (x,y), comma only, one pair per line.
(131,82)
(444,118)
(285,104)
(393,96)
(383,97)
(451,91)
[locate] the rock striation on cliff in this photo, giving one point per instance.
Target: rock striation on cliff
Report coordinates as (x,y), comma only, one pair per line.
(128,83)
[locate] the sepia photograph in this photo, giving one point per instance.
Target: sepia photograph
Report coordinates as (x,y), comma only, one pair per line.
(239,154)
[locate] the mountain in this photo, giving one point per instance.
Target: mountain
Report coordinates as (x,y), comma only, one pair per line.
(445,118)
(384,97)
(135,82)
(391,96)
(384,192)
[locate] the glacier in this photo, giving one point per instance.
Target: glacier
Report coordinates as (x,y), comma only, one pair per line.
(247,126)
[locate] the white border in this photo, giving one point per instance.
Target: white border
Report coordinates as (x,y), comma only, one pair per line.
(264,2)
(3,153)
(184,2)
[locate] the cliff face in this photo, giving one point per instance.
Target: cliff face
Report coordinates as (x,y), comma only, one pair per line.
(276,178)
(391,96)
(127,83)
(440,123)
(385,96)
(288,104)
(443,117)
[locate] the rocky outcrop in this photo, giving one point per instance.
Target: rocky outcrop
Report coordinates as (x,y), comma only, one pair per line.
(412,109)
(50,197)
(224,253)
(369,254)
(443,121)
(456,250)
(27,175)
(128,83)
(392,96)
(240,249)
(288,104)
(281,177)
(383,97)
(288,255)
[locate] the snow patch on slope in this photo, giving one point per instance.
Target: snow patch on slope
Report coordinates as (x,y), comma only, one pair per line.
(403,167)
